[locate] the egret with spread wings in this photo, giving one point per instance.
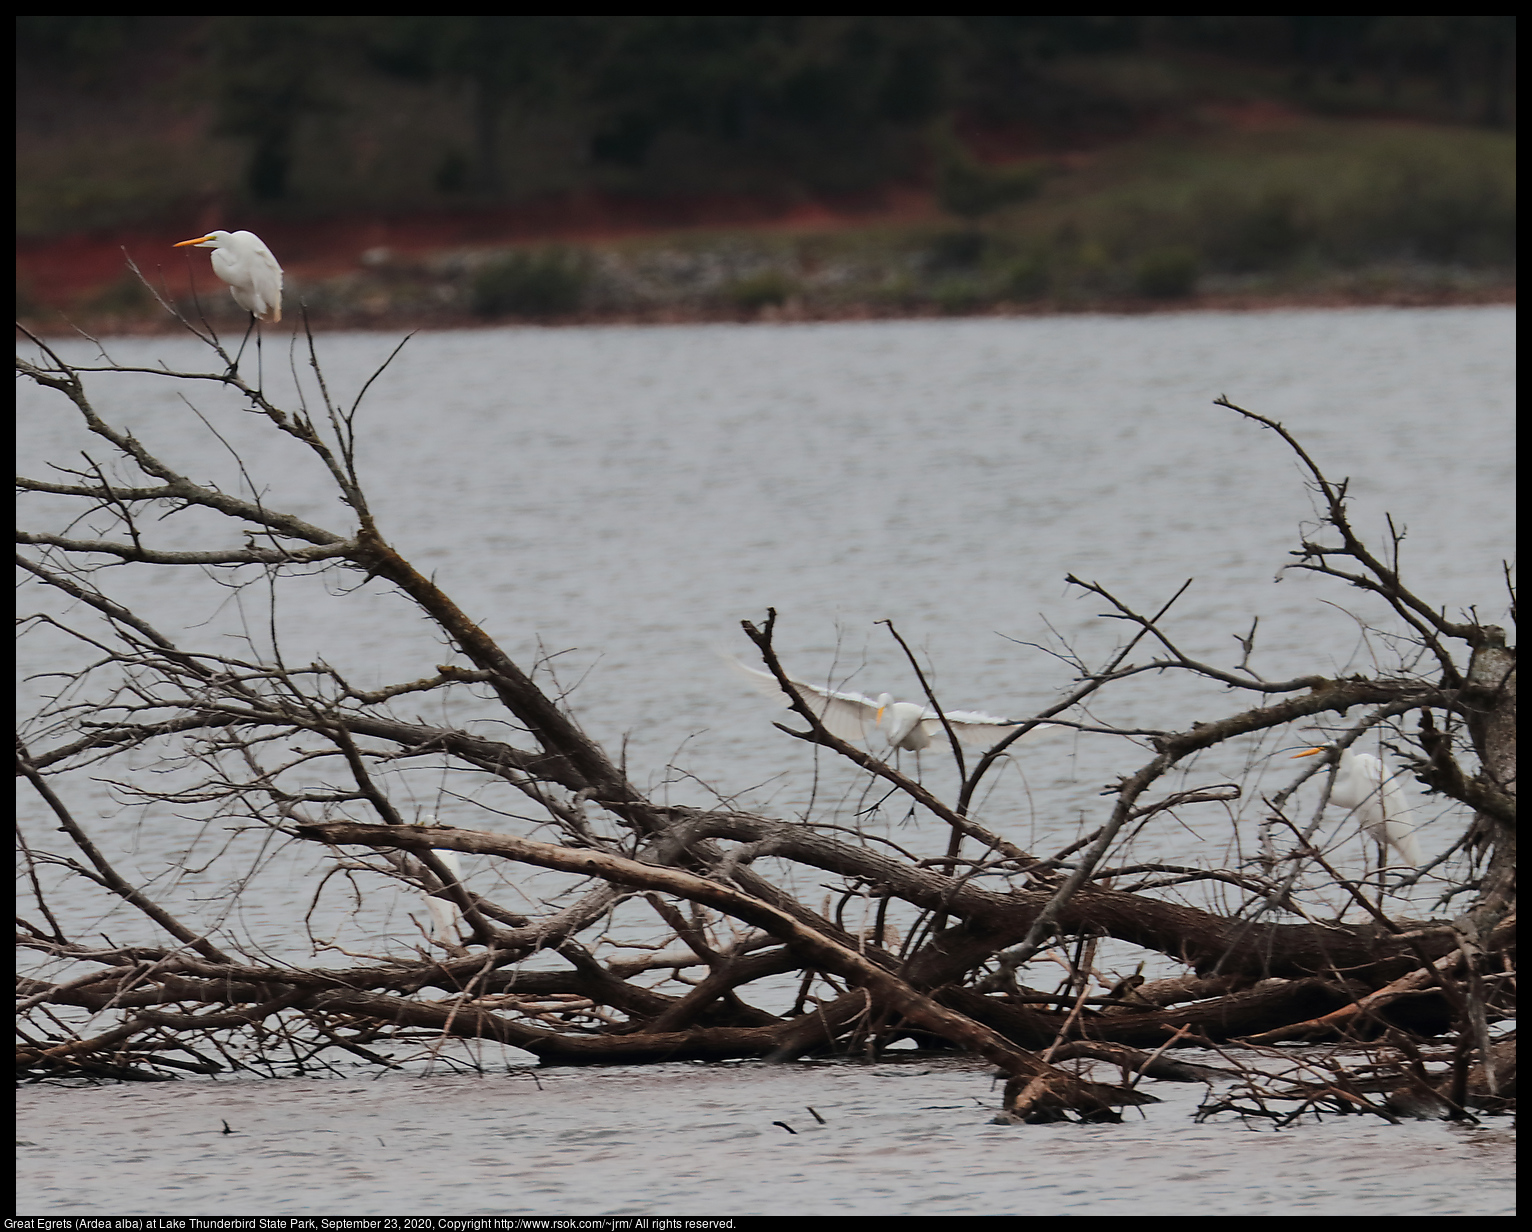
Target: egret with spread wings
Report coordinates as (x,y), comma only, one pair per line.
(905,725)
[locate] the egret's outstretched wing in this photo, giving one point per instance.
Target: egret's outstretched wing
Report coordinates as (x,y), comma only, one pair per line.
(849,716)
(906,725)
(976,727)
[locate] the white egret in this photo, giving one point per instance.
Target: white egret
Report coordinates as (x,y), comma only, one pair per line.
(1366,786)
(246,264)
(445,913)
(906,725)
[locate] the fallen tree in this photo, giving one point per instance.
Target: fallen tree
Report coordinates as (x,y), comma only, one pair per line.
(299,754)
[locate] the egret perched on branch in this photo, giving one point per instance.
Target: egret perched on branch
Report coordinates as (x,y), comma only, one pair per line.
(906,725)
(1367,787)
(246,264)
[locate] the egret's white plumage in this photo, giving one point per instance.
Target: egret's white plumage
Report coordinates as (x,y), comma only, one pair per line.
(906,725)
(1365,785)
(445,913)
(244,262)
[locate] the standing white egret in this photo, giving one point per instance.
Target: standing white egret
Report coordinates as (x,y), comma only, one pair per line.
(1366,786)
(906,725)
(244,262)
(445,913)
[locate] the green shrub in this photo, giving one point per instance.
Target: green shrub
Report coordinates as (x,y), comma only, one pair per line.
(765,289)
(550,282)
(1340,196)
(1267,233)
(1166,273)
(956,250)
(969,189)
(1029,278)
(1449,201)
(957,295)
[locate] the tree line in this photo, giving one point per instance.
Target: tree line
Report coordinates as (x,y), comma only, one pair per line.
(686,103)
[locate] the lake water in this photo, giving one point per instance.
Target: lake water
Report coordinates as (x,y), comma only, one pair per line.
(912,1138)
(614,501)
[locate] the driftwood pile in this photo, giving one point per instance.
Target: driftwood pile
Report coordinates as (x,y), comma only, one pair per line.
(964,935)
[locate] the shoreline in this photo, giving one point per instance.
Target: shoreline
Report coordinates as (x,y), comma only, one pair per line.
(1313,214)
(799,313)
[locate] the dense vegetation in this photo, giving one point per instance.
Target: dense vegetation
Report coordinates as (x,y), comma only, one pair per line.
(397,112)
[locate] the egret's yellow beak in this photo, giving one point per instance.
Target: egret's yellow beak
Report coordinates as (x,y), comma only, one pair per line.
(879,718)
(201,239)
(1309,753)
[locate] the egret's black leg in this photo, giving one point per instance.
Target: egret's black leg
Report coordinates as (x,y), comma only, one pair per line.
(234,367)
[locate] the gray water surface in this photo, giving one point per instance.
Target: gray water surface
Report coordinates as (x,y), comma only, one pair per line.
(912,1138)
